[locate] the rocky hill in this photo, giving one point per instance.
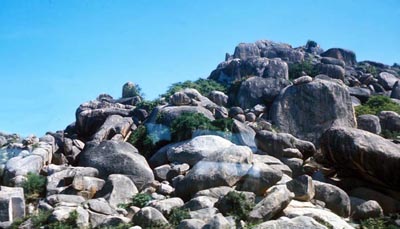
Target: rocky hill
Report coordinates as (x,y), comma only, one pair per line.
(276,137)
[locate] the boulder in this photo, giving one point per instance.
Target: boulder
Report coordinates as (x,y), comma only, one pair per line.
(113,125)
(236,69)
(219,98)
(218,221)
(21,166)
(179,99)
(259,178)
(302,80)
(389,120)
(149,217)
(91,115)
(325,217)
(244,135)
(165,206)
(362,209)
(168,114)
(107,157)
(275,144)
(118,189)
(302,187)
(395,94)
(258,90)
(101,206)
(129,90)
(246,50)
(299,222)
(308,110)
(360,93)
(333,71)
(283,51)
(72,200)
(216,192)
(207,174)
(85,183)
(369,123)
(200,202)
(277,199)
(209,148)
(347,56)
(333,61)
(12,204)
(363,153)
(387,203)
(205,214)
(387,80)
(191,224)
(334,198)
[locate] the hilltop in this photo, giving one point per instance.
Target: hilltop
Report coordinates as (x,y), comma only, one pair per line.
(275,137)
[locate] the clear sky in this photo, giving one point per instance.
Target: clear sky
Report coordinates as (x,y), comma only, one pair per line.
(55,55)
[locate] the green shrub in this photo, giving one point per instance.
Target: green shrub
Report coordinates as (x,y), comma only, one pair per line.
(131,90)
(147,142)
(149,105)
(240,207)
(371,70)
(177,215)
(296,69)
(204,86)
(183,127)
(390,134)
(311,44)
(139,200)
(34,187)
(376,104)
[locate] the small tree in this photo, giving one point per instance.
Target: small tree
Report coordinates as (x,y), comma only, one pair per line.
(34,187)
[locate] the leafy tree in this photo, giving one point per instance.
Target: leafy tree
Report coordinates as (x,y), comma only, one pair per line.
(296,69)
(204,86)
(34,187)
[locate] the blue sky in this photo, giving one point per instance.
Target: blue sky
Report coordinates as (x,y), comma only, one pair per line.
(55,55)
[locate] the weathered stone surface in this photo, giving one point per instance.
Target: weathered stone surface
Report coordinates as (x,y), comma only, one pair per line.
(101,206)
(218,221)
(244,135)
(259,178)
(165,206)
(219,98)
(21,166)
(347,56)
(296,208)
(118,189)
(388,204)
(63,198)
(258,90)
(216,192)
(149,217)
(395,94)
(113,125)
(302,187)
(389,120)
(179,99)
(91,115)
(308,110)
(246,50)
(362,209)
(334,61)
(369,123)
(200,202)
(209,148)
(12,204)
(191,224)
(275,143)
(360,93)
(206,174)
(387,80)
(363,153)
(107,157)
(302,80)
(277,198)
(84,183)
(299,222)
(335,198)
(204,214)
(168,114)
(271,49)
(333,71)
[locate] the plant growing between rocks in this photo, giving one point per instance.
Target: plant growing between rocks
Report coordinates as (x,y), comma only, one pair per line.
(376,104)
(34,187)
(140,200)
(177,215)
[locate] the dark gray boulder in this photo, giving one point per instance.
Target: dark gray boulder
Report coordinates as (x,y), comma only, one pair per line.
(334,198)
(275,143)
(334,61)
(369,123)
(283,51)
(333,71)
(245,50)
(112,157)
(347,56)
(363,153)
(308,110)
(360,93)
(363,209)
(168,114)
(389,120)
(113,125)
(257,90)
(395,94)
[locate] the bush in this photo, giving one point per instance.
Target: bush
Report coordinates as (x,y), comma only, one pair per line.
(204,86)
(149,105)
(139,200)
(177,215)
(147,142)
(296,69)
(183,127)
(131,90)
(240,207)
(380,223)
(311,44)
(34,187)
(376,104)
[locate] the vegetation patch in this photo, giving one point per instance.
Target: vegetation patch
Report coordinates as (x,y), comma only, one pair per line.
(376,104)
(204,86)
(34,187)
(296,69)
(177,215)
(140,200)
(239,206)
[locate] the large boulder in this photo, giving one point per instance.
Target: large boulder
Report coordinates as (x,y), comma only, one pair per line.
(275,144)
(21,166)
(349,57)
(308,110)
(114,124)
(168,114)
(387,80)
(333,71)
(363,153)
(209,174)
(246,50)
(362,209)
(299,222)
(107,158)
(258,90)
(91,115)
(334,198)
(277,199)
(118,189)
(12,204)
(236,69)
(210,148)
(283,51)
